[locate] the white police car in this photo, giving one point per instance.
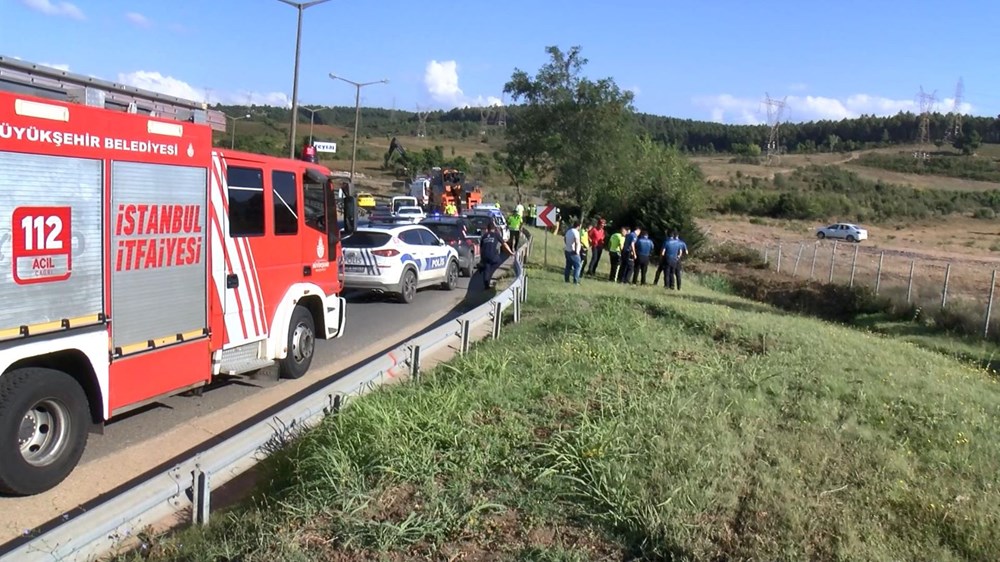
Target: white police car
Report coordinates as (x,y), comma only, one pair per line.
(398,258)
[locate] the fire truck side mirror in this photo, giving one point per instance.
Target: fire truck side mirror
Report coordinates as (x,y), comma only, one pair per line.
(350,208)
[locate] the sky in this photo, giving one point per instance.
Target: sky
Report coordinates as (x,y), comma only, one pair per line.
(713,60)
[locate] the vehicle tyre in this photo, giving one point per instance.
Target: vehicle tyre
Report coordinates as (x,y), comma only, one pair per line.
(820,235)
(466,271)
(851,238)
(408,286)
(451,276)
(44,423)
(301,344)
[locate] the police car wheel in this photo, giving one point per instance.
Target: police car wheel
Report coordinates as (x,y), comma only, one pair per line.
(451,276)
(44,420)
(408,286)
(301,344)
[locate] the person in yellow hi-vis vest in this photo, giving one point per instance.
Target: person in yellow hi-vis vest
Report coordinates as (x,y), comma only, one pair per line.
(514,224)
(450,209)
(584,243)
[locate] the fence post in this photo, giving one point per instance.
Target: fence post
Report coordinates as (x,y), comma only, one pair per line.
(766,249)
(854,264)
(989,306)
(944,289)
(812,270)
(798,256)
(878,274)
(779,258)
(833,259)
(909,284)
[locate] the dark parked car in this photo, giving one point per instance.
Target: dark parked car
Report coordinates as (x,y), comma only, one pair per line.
(459,233)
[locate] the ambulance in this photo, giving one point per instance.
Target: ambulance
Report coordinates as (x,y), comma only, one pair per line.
(137,261)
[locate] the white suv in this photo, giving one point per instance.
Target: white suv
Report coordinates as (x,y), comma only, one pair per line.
(399,259)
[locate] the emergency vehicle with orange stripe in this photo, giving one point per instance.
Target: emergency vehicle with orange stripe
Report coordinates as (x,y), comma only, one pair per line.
(138,261)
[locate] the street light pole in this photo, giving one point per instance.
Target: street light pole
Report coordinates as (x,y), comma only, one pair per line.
(357,112)
(232,145)
(295,79)
(312,115)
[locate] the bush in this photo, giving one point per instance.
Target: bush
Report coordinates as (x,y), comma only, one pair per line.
(950,165)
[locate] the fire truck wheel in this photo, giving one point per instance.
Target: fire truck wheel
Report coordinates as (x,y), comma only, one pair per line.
(408,286)
(44,420)
(451,277)
(301,344)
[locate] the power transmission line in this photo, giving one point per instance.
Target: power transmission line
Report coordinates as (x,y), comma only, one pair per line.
(926,102)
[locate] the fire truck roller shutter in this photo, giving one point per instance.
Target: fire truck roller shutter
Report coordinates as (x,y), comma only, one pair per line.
(51,285)
(158,254)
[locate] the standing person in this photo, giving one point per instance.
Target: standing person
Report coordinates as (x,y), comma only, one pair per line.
(596,236)
(661,269)
(643,250)
(490,244)
(584,246)
(572,251)
(615,244)
(628,256)
(676,249)
(531,215)
(514,224)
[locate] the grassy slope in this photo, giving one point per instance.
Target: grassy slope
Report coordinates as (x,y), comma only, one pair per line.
(624,420)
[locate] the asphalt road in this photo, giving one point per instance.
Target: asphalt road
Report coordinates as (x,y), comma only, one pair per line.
(151,438)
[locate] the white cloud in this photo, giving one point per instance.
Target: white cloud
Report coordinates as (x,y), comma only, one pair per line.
(55,9)
(62,67)
(441,81)
(151,80)
(726,108)
(139,20)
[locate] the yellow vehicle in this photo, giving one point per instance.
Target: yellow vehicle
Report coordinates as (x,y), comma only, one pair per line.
(366,200)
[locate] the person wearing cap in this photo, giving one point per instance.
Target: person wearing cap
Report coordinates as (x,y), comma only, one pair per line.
(596,236)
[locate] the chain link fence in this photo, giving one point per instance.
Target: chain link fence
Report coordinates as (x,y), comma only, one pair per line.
(965,287)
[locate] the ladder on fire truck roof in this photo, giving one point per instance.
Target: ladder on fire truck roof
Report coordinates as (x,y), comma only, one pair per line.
(41,81)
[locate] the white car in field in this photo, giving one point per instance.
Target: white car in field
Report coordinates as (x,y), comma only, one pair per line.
(399,259)
(842,231)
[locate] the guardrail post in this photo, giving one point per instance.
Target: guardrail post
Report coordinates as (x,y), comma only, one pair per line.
(524,287)
(415,362)
(517,304)
(201,496)
(464,334)
(496,319)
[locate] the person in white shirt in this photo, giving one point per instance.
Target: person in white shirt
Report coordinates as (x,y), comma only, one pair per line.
(572,251)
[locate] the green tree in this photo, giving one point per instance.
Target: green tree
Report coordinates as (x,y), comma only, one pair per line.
(572,132)
(515,168)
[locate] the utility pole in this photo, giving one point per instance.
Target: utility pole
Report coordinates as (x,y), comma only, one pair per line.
(422,121)
(232,144)
(300,6)
(357,112)
(312,115)
(955,127)
(774,110)
(927,102)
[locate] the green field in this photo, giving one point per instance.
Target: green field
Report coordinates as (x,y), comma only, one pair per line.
(616,422)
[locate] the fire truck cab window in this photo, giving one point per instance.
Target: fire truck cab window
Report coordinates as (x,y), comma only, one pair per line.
(246,201)
(314,205)
(286,209)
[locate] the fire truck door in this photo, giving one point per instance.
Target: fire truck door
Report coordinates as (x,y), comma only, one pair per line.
(243,302)
(316,246)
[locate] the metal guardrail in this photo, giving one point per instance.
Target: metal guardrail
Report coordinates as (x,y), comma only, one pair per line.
(188,484)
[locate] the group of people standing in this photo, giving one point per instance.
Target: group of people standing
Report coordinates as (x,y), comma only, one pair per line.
(630,251)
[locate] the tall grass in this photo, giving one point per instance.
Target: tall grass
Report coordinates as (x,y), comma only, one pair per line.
(622,421)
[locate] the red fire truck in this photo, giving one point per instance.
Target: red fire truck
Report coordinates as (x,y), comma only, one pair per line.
(137,261)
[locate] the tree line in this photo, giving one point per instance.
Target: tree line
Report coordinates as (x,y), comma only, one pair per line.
(687,135)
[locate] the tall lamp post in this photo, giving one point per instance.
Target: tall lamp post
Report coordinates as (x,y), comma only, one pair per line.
(357,112)
(300,6)
(312,115)
(232,145)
